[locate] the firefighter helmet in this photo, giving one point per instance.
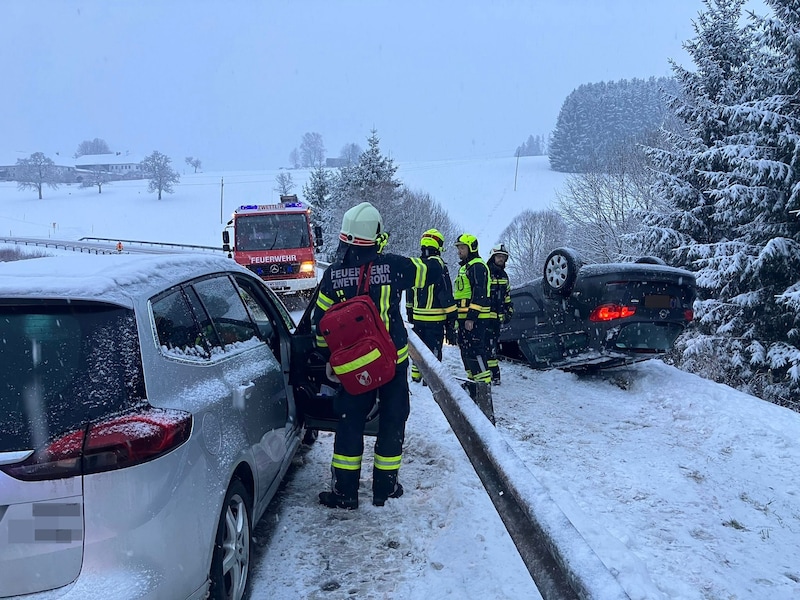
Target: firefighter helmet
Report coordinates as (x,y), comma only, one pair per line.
(432,238)
(468,240)
(499,249)
(361,225)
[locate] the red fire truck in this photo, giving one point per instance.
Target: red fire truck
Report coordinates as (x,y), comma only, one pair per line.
(278,242)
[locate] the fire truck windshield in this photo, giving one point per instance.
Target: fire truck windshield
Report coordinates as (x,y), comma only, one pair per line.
(271,232)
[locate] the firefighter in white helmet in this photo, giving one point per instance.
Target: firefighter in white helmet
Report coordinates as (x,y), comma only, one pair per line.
(500,303)
(360,251)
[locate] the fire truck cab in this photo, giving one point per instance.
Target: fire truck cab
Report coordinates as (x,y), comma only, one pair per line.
(278,242)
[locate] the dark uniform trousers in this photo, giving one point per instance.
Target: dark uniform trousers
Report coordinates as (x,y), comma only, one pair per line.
(432,335)
(473,350)
(393,411)
(493,346)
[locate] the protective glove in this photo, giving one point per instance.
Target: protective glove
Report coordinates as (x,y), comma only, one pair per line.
(450,333)
(382,240)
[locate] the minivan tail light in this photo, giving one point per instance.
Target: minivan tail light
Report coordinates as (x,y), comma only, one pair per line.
(688,314)
(115,443)
(609,312)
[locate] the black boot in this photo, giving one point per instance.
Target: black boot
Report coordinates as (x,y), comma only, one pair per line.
(334,500)
(385,485)
(344,489)
(398,491)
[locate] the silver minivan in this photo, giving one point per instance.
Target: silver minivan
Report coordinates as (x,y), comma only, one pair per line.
(148,420)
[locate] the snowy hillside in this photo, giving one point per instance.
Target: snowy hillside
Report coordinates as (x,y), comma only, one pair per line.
(478,194)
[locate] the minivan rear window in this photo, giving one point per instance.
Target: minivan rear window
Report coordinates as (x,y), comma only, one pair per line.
(62,366)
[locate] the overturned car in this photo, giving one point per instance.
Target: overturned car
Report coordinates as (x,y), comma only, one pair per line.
(582,317)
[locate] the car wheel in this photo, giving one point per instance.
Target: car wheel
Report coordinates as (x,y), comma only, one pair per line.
(230,565)
(650,260)
(561,270)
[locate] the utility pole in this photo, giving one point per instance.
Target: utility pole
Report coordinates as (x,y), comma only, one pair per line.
(221,190)
(516,170)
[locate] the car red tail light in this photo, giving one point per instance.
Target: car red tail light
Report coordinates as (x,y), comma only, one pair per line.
(116,443)
(688,314)
(609,312)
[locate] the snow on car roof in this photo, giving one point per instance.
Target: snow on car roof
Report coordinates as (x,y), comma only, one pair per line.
(107,277)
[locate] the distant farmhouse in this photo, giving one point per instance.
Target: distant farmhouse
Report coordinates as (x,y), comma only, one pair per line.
(73,170)
(336,162)
(118,165)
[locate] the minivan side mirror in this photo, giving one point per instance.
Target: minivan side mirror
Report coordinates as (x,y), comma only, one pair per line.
(317,236)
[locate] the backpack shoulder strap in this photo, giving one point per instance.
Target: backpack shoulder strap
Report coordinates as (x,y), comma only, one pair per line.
(363,276)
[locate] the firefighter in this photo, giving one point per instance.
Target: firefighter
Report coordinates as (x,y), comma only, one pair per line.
(432,309)
(471,292)
(390,274)
(501,306)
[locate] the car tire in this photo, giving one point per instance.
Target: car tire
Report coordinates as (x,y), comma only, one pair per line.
(230,564)
(561,270)
(650,260)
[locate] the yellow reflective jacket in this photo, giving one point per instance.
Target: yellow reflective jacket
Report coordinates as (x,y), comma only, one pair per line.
(432,303)
(471,290)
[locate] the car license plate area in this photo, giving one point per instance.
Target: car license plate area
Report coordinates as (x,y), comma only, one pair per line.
(647,337)
(659,301)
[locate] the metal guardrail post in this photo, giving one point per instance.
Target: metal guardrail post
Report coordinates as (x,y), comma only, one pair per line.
(562,564)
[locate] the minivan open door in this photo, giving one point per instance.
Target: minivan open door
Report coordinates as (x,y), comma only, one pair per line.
(314,393)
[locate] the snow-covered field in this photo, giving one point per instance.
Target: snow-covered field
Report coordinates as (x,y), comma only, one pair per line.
(478,194)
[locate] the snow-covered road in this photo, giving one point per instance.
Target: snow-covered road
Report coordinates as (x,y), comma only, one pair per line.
(686,488)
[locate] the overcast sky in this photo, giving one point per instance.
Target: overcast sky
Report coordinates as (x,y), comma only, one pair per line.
(237,83)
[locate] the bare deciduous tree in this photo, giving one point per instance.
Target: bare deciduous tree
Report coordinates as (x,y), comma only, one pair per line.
(294,158)
(96,177)
(196,163)
(604,206)
(312,150)
(529,239)
(35,172)
(95,146)
(156,167)
(284,183)
(350,153)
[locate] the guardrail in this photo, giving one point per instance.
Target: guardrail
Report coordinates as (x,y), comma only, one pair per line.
(56,244)
(562,564)
(144,243)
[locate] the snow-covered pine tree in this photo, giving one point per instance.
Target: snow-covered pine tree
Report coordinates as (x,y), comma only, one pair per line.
(371,179)
(733,177)
(316,192)
(721,52)
(755,188)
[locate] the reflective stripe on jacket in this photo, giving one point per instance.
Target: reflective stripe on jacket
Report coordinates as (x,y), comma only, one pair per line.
(471,290)
(499,292)
(434,302)
(390,275)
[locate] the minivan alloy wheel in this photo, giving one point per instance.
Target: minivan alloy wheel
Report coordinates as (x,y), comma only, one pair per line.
(230,565)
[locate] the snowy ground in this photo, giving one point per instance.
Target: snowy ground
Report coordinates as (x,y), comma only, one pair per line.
(687,488)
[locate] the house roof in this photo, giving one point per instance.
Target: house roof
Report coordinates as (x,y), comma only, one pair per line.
(65,159)
(122,158)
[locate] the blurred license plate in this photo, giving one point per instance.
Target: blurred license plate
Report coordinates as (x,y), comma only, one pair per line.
(658,301)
